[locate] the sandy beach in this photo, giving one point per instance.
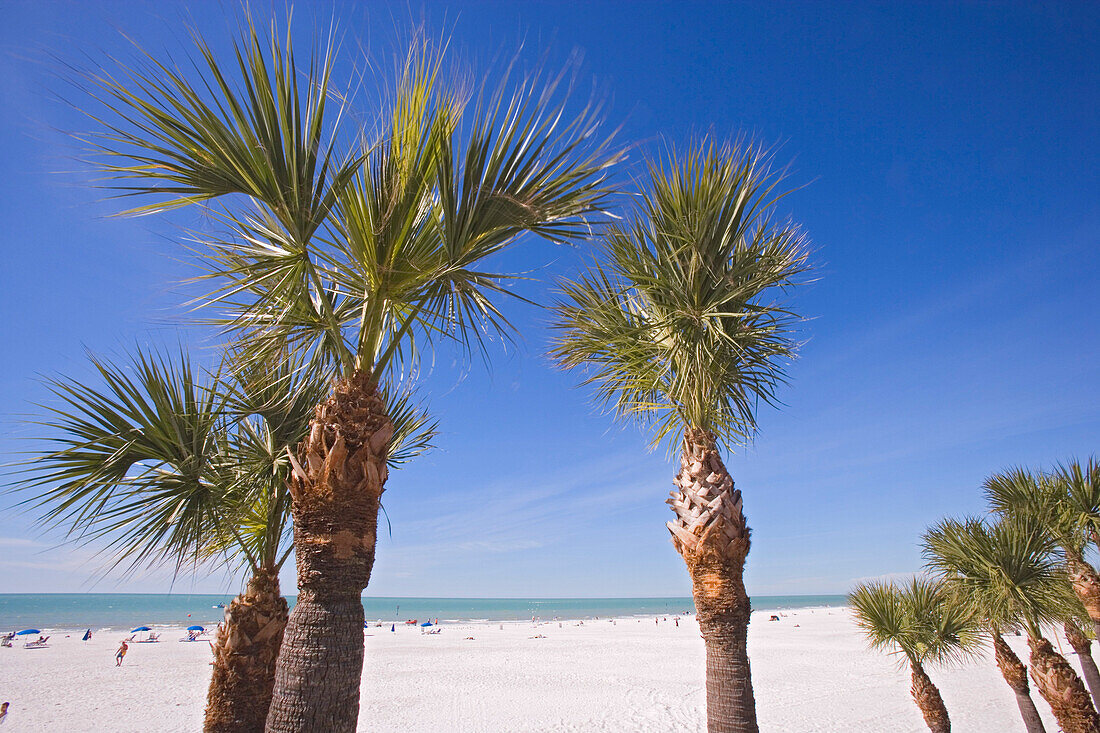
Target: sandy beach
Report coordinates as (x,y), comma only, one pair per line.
(811,670)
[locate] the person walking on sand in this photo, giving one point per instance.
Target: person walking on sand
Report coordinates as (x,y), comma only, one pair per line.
(121,653)
(4,712)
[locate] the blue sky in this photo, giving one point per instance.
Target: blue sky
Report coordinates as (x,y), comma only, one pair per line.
(949,170)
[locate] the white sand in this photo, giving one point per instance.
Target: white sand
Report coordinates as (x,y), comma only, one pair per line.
(626,676)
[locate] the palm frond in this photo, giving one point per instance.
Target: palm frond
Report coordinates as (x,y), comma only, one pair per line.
(134,463)
(262,126)
(1079,484)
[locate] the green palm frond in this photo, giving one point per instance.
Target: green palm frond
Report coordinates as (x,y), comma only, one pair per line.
(1018,492)
(681,324)
(262,126)
(1007,571)
(881,616)
(1079,484)
(414,430)
(135,463)
(920,620)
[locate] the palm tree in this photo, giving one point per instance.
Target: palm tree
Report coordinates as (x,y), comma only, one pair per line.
(922,622)
(1009,570)
(166,467)
(943,539)
(680,332)
(1059,503)
(353,262)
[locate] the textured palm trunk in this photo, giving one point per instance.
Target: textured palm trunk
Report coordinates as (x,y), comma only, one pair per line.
(1082,647)
(245,650)
(1086,584)
(1062,688)
(1015,674)
(338,481)
(928,699)
(711,535)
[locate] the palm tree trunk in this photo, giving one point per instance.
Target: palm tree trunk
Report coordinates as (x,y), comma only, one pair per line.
(1083,648)
(928,699)
(1061,688)
(1086,584)
(1015,674)
(245,650)
(336,489)
(711,535)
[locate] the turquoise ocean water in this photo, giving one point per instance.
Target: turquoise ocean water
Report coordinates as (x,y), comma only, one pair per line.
(78,611)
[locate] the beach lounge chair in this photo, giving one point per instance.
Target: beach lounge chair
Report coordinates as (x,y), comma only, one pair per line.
(39,643)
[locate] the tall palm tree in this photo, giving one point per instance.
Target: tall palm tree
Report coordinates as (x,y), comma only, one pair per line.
(1065,515)
(161,465)
(922,622)
(1009,570)
(354,262)
(680,331)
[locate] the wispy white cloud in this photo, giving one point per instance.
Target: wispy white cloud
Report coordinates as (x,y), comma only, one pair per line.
(525,512)
(18,542)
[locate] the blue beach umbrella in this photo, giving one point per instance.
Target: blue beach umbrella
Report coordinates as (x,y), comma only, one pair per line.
(426,623)
(27,631)
(195,628)
(140,628)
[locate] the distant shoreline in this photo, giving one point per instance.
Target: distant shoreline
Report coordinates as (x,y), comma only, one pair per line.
(78,611)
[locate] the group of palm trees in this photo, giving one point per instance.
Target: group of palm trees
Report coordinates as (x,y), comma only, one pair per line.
(1021,569)
(339,247)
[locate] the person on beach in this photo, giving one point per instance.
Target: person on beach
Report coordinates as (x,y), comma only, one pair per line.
(121,653)
(4,712)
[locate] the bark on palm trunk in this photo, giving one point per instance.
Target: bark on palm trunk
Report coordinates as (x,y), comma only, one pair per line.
(711,535)
(1015,674)
(1083,648)
(1086,584)
(928,699)
(338,481)
(1062,688)
(245,650)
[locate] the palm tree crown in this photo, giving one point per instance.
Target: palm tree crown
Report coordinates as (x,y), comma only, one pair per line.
(166,464)
(1007,571)
(921,620)
(677,325)
(361,258)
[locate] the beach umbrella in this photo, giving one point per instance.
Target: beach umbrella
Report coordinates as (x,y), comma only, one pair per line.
(426,623)
(140,628)
(27,631)
(195,628)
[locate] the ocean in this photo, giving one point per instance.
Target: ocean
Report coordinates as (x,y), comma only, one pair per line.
(79,611)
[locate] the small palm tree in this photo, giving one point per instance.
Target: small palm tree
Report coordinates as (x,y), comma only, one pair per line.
(1060,503)
(355,263)
(681,331)
(1009,571)
(921,622)
(161,465)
